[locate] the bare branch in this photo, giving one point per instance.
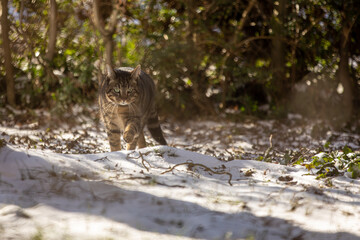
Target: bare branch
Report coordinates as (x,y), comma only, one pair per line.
(244,15)
(192,165)
(303,33)
(52,31)
(98,21)
(113,19)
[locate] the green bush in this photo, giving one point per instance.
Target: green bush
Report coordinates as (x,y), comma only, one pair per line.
(336,163)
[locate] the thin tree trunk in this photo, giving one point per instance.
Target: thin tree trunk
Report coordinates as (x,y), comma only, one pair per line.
(344,72)
(5,28)
(278,52)
(109,49)
(108,32)
(51,47)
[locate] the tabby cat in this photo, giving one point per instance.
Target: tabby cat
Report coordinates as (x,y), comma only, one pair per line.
(127,104)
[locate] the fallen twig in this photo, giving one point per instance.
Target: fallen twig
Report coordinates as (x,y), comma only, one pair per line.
(150,178)
(143,161)
(267,152)
(191,165)
(103,159)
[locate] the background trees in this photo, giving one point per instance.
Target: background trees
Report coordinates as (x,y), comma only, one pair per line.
(206,56)
(8,67)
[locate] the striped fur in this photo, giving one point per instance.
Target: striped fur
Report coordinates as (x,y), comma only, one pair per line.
(127,104)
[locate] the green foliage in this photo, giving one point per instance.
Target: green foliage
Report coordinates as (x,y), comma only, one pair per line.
(70,77)
(205,56)
(2,143)
(336,163)
(38,235)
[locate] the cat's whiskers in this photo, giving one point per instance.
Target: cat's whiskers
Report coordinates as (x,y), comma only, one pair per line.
(108,106)
(114,107)
(133,108)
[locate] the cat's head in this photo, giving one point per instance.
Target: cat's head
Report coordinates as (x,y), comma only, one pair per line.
(122,88)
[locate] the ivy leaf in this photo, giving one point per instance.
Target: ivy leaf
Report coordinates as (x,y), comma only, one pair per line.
(347,150)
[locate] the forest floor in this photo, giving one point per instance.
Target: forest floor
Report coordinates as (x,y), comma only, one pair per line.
(217,179)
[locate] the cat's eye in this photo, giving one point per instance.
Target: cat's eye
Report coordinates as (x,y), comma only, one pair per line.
(129,90)
(117,90)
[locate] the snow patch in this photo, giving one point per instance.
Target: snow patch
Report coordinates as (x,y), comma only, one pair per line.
(168,193)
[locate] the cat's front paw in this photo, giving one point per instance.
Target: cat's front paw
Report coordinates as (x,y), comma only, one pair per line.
(129,136)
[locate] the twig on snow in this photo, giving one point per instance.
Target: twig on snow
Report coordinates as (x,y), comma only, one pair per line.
(192,165)
(156,182)
(143,161)
(267,152)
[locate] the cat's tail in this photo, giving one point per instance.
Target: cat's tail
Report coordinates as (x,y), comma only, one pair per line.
(155,129)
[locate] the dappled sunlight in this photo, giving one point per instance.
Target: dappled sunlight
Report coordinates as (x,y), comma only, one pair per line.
(165,191)
(254,106)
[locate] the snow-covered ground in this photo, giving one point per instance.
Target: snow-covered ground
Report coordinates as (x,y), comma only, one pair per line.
(50,191)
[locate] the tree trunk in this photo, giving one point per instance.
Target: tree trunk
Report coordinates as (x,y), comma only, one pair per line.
(5,28)
(278,52)
(109,49)
(108,32)
(343,73)
(51,47)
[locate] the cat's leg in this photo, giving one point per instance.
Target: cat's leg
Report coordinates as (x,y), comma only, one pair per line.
(114,135)
(131,133)
(114,139)
(141,140)
(138,140)
(132,145)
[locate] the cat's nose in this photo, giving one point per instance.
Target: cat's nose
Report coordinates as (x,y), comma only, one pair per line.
(123,103)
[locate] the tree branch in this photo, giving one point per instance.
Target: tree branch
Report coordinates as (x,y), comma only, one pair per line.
(52,31)
(98,21)
(192,165)
(244,15)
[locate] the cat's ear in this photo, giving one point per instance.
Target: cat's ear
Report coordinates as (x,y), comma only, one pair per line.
(136,72)
(110,72)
